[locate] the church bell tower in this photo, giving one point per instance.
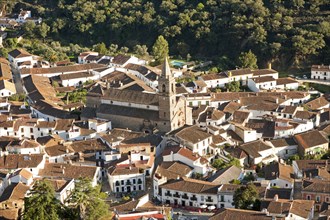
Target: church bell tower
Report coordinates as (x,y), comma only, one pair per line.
(167,96)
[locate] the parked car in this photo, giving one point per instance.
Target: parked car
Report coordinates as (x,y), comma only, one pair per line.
(304,76)
(292,76)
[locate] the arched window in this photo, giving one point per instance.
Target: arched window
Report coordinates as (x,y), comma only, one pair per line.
(164,88)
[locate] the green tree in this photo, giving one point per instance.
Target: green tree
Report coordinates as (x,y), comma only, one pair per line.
(43,30)
(88,202)
(141,50)
(218,164)
(160,49)
(41,203)
(246,197)
(233,86)
(3,52)
(29,28)
(248,60)
(101,48)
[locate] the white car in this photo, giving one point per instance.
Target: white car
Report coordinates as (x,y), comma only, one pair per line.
(304,76)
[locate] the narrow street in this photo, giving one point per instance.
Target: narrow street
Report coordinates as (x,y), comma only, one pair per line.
(17,80)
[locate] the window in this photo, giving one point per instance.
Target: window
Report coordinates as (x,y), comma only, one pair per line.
(134,181)
(327,199)
(31,130)
(318,199)
(164,88)
(22,129)
(308,197)
(122,182)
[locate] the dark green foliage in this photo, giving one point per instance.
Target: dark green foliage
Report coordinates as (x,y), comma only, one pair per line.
(248,60)
(233,86)
(88,202)
(246,197)
(220,164)
(160,49)
(286,32)
(42,204)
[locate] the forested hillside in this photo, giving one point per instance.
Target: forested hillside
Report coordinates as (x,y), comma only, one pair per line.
(285,32)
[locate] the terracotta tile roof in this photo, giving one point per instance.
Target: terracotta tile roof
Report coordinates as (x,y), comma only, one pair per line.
(318,103)
(14,192)
(320,67)
(284,81)
(236,152)
(302,207)
(263,79)
(90,145)
(254,147)
(75,75)
(5,84)
(5,72)
(22,172)
(283,142)
(192,134)
(305,115)
(282,193)
(277,170)
(310,164)
(234,214)
(289,109)
(231,107)
(57,150)
(214,76)
(62,69)
(240,116)
(58,184)
(9,214)
(120,59)
(171,170)
(316,185)
(18,53)
(14,161)
(68,171)
(226,175)
(131,96)
(310,139)
(123,170)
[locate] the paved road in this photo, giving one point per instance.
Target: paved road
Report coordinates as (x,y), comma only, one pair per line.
(322,82)
(17,80)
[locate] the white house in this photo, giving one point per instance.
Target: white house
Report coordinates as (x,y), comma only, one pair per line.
(194,138)
(189,192)
(284,147)
(126,178)
(215,80)
(262,83)
(287,83)
(19,58)
(279,175)
(186,156)
(21,175)
(7,88)
(321,72)
(258,151)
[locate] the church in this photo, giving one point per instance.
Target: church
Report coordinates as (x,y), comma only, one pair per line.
(136,110)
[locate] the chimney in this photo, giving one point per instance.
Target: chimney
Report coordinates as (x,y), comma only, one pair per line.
(269,66)
(63,171)
(276,198)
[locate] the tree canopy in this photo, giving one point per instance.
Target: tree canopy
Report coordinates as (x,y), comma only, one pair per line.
(246,197)
(286,32)
(41,203)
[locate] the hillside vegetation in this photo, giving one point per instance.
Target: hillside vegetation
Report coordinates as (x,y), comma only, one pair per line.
(288,33)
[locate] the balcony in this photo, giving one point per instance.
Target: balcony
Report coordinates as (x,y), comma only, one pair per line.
(209,200)
(185,197)
(194,198)
(176,195)
(168,194)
